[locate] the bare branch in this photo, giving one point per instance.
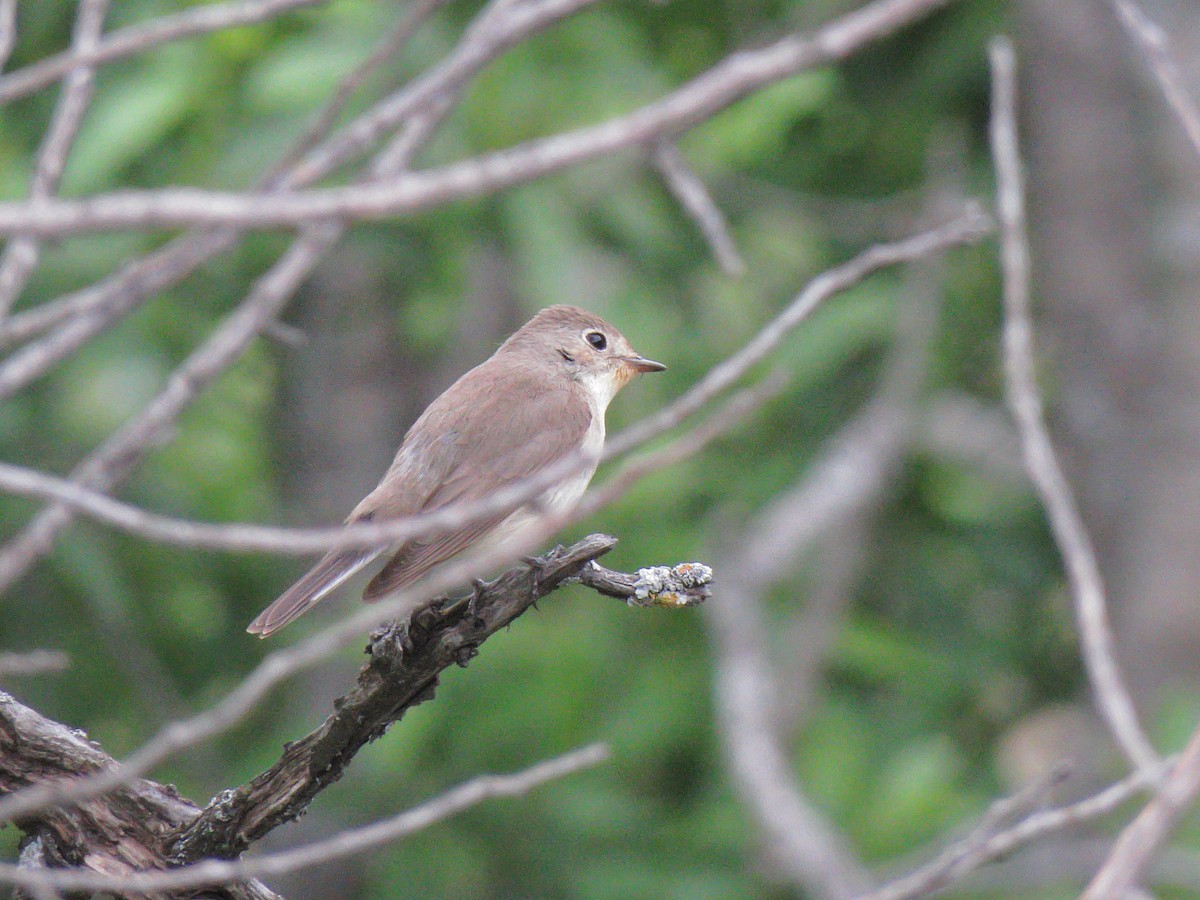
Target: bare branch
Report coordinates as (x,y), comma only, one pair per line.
(987,844)
(35,662)
(501,26)
(705,95)
(120,834)
(686,584)
(94,309)
(82,314)
(1153,43)
(693,196)
(82,495)
(968,227)
(140,38)
(21,253)
(324,120)
(345,843)
(124,449)
(1141,839)
(1025,403)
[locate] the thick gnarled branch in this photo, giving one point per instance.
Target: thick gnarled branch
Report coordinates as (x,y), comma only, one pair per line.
(405,662)
(119,833)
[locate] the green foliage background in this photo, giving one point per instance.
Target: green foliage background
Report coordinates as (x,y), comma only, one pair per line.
(958,627)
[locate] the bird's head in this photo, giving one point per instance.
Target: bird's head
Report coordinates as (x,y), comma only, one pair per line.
(586,347)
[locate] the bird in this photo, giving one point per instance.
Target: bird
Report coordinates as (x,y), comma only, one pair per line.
(540,398)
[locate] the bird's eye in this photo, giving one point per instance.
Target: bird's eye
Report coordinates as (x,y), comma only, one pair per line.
(596,339)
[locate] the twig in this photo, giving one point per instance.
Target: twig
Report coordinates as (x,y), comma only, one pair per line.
(358,135)
(487,39)
(705,95)
(1140,839)
(1153,42)
(978,848)
(686,584)
(140,38)
(35,662)
(21,253)
(95,307)
(693,196)
(324,120)
(118,455)
(969,226)
(501,24)
(1025,403)
(82,314)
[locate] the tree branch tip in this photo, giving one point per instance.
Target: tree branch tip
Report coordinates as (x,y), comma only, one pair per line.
(672,587)
(291,337)
(979,220)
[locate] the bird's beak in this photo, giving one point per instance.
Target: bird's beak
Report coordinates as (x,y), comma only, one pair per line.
(641,364)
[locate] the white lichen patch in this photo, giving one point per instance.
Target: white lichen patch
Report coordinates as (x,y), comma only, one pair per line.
(670,586)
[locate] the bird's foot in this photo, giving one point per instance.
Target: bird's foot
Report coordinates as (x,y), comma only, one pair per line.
(479,589)
(537,568)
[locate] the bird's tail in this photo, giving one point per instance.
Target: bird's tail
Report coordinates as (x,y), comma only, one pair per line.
(323,578)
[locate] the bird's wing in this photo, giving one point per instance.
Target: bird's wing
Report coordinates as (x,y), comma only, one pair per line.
(416,558)
(334,569)
(531,435)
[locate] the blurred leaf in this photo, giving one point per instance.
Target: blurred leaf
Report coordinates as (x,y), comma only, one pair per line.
(968,497)
(757,127)
(133,113)
(917,793)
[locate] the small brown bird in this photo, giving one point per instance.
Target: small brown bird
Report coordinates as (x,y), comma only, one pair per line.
(536,400)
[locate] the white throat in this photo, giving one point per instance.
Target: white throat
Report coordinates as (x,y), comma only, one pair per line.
(600,388)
